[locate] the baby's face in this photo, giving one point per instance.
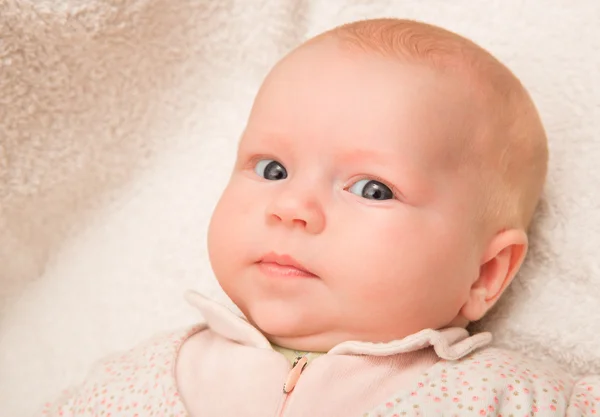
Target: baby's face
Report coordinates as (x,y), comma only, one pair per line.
(347,174)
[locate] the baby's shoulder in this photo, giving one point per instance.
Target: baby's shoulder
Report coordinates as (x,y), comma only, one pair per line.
(161,346)
(508,368)
(138,380)
(157,353)
(488,382)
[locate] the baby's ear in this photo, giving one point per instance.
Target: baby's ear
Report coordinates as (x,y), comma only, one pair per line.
(499,265)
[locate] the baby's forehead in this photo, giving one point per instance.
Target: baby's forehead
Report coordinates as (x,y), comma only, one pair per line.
(425,71)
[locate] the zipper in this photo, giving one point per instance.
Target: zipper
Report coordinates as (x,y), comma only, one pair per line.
(291,381)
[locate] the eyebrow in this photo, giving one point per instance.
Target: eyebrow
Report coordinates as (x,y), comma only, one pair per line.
(359,155)
(403,178)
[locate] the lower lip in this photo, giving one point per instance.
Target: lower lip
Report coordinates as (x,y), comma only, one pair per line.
(275,269)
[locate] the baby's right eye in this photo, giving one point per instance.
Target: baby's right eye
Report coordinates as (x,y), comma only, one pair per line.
(270,170)
(372,190)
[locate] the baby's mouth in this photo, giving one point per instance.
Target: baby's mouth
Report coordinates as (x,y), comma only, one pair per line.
(284,265)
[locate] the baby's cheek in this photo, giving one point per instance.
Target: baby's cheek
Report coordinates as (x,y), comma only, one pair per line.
(236,208)
(221,234)
(376,292)
(236,227)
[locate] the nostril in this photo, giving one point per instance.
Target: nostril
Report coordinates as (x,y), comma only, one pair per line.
(299,222)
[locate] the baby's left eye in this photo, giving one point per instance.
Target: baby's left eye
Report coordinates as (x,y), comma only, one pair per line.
(270,170)
(372,190)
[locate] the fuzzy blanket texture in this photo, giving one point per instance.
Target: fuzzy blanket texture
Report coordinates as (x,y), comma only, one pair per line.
(118,126)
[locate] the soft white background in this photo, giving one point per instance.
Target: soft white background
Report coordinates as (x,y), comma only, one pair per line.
(118,125)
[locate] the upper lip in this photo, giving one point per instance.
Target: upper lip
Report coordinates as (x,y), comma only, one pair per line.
(284,260)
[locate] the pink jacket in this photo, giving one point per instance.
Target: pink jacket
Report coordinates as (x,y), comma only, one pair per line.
(226,367)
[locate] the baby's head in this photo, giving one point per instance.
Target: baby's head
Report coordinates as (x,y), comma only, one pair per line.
(384,184)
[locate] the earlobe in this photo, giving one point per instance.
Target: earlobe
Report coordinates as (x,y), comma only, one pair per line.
(501,261)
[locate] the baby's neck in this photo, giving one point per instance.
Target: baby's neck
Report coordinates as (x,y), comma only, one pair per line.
(293,355)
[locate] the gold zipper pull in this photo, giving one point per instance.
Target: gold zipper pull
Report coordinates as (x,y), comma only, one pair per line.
(294,375)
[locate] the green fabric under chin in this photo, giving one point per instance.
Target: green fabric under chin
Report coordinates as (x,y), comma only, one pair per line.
(293,355)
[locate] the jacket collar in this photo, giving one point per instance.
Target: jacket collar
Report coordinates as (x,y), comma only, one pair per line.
(450,344)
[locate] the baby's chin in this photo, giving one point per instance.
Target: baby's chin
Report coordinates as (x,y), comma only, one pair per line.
(307,336)
(279,325)
(291,331)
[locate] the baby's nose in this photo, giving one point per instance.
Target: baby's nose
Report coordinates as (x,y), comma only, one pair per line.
(297,209)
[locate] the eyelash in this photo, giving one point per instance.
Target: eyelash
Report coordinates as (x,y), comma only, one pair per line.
(251,163)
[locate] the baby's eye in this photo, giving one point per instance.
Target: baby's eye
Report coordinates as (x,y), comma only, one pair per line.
(270,170)
(372,190)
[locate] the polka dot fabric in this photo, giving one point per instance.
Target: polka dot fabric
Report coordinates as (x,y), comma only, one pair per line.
(585,400)
(496,383)
(489,382)
(138,383)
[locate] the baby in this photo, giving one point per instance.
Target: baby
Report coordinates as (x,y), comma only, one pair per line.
(380,202)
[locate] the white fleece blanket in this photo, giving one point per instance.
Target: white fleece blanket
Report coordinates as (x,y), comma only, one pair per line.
(118,126)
